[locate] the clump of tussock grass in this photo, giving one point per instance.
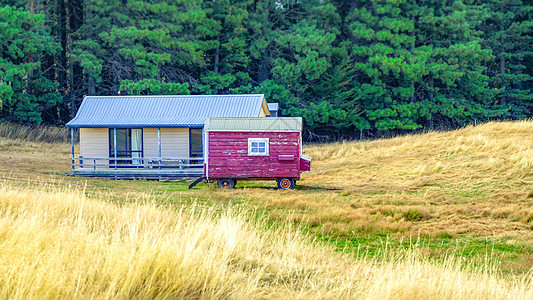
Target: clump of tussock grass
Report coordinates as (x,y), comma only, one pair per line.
(48,134)
(415,215)
(55,243)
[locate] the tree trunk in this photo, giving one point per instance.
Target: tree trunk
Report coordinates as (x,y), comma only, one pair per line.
(33,6)
(91,86)
(217,55)
(431,96)
(61,69)
(68,43)
(412,49)
(502,74)
(263,70)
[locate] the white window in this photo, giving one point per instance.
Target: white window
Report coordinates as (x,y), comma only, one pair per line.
(258,146)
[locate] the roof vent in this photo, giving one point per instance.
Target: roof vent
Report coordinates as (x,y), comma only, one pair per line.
(273,109)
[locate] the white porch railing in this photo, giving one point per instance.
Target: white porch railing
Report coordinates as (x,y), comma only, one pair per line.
(136,163)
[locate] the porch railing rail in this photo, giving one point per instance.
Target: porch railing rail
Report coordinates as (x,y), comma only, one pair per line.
(138,162)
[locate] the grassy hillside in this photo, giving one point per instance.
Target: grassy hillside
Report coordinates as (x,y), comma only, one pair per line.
(56,243)
(460,202)
(474,181)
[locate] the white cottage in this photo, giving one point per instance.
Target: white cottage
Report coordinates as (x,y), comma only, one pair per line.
(151,137)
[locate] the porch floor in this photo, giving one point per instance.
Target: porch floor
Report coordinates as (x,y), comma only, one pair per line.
(140,173)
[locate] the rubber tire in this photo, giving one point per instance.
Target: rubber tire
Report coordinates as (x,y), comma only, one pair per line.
(227,183)
(285,183)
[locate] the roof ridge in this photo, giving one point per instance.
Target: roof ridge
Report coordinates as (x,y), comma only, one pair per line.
(170,96)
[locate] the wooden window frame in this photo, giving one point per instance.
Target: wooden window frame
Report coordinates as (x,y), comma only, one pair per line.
(258,140)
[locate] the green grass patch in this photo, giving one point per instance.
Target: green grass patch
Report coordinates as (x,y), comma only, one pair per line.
(512,256)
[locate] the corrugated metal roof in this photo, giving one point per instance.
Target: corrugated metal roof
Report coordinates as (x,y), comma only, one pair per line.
(273,106)
(163,111)
(254,124)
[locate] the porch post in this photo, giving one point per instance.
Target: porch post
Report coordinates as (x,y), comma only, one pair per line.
(159,145)
(115,145)
(72,143)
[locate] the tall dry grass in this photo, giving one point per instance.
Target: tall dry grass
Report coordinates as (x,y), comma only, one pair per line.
(48,134)
(495,149)
(55,243)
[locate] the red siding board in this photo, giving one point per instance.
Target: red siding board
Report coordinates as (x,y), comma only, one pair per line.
(228,155)
(250,161)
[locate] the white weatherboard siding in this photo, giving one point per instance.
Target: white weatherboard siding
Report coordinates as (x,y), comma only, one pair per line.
(94,143)
(150,143)
(174,142)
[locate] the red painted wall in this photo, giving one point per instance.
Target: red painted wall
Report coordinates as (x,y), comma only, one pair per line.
(228,155)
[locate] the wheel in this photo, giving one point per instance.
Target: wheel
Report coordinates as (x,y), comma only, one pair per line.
(285,183)
(227,183)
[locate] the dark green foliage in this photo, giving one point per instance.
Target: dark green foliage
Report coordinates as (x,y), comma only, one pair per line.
(137,44)
(350,68)
(24,92)
(154,87)
(419,63)
(508,32)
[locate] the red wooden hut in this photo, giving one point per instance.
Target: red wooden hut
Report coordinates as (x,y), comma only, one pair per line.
(254,149)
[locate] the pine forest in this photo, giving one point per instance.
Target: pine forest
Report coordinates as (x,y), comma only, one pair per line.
(351,69)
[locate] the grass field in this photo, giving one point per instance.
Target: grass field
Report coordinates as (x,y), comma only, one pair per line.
(441,214)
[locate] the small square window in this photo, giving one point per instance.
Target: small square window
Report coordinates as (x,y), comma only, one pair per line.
(258,146)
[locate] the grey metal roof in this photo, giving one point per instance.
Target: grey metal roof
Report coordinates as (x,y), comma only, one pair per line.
(163,111)
(273,106)
(254,124)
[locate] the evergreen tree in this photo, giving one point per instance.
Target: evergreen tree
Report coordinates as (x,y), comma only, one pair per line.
(143,46)
(508,33)
(227,70)
(299,39)
(350,68)
(24,92)
(417,62)
(456,89)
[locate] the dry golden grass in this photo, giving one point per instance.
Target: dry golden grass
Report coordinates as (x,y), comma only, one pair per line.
(468,192)
(491,151)
(48,134)
(56,243)
(22,158)
(475,181)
